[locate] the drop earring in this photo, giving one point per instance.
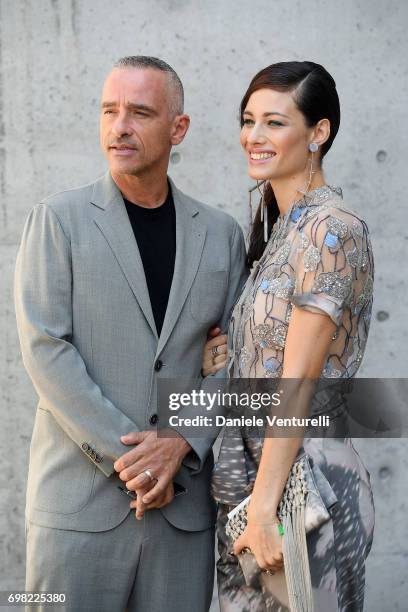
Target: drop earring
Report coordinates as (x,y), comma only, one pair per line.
(264,208)
(264,211)
(313,148)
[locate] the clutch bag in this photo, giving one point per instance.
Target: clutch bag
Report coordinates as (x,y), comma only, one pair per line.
(304,506)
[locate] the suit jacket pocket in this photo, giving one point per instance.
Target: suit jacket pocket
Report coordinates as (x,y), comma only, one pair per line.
(207,296)
(60,477)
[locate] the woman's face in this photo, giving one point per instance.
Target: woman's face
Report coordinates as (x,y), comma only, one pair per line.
(274,136)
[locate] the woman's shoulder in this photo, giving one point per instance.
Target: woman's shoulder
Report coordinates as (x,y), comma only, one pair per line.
(335,216)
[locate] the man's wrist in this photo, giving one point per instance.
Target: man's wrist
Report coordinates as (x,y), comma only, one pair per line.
(185,447)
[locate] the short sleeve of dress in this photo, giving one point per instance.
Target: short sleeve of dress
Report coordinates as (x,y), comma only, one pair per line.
(334,265)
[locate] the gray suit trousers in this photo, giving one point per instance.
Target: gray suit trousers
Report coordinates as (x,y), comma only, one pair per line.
(138,566)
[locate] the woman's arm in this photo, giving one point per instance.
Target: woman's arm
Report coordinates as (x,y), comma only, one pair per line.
(307,344)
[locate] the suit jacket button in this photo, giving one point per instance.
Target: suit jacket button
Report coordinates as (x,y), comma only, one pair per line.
(85,447)
(158,365)
(153,419)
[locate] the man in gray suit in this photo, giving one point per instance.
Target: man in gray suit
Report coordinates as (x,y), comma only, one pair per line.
(117,283)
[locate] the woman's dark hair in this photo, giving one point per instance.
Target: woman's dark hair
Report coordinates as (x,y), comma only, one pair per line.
(315,95)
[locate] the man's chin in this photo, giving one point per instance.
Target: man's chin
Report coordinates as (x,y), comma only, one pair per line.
(122,168)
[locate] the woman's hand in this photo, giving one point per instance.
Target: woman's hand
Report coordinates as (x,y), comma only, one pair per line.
(263,539)
(212,363)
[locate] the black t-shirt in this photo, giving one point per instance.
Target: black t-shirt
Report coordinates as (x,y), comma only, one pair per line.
(155,233)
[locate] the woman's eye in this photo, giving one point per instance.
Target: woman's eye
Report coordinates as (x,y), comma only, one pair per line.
(247,122)
(275,123)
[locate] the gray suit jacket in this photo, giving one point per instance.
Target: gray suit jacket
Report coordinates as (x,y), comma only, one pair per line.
(90,346)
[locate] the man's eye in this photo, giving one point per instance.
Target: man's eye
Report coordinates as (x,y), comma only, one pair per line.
(108,112)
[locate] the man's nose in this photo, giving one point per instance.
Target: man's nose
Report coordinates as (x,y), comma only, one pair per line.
(121,126)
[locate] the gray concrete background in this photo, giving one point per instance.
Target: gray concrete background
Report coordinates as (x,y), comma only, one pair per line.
(53,58)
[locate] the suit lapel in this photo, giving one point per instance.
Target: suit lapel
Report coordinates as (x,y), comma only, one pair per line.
(190,238)
(112,219)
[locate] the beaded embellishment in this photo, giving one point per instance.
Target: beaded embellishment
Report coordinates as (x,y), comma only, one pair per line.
(337,227)
(333,284)
(311,258)
(268,336)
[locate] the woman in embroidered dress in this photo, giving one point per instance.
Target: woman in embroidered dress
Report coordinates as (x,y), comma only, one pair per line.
(304,314)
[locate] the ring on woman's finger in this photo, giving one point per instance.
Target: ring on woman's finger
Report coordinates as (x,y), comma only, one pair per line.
(269,572)
(214,351)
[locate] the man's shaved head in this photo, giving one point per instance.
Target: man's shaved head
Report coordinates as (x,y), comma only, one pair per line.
(175,86)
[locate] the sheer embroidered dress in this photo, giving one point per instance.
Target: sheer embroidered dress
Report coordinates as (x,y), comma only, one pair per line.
(319,258)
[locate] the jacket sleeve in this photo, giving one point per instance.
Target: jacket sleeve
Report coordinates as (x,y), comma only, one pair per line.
(238,274)
(43,300)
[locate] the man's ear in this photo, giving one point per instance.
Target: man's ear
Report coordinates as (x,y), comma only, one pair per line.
(179,129)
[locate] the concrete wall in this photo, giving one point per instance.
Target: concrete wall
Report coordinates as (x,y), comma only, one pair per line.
(53,58)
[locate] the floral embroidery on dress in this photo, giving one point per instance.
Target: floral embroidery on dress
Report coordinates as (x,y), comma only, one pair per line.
(333,284)
(304,241)
(269,336)
(311,258)
(273,368)
(274,283)
(283,253)
(356,228)
(337,227)
(357,259)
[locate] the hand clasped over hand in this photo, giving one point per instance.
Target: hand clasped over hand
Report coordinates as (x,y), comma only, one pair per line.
(160,457)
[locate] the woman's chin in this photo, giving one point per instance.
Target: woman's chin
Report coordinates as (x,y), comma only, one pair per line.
(259,174)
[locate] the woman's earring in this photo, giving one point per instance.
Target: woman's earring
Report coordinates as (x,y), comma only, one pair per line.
(313,147)
(264,211)
(265,217)
(250,219)
(264,208)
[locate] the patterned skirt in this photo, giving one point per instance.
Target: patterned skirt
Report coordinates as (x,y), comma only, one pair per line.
(337,550)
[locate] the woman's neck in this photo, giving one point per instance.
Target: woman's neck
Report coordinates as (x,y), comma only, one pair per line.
(289,190)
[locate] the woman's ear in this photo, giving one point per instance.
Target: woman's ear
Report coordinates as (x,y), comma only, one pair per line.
(321,132)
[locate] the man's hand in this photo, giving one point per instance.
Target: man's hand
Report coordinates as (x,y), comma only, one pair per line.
(160,501)
(161,456)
